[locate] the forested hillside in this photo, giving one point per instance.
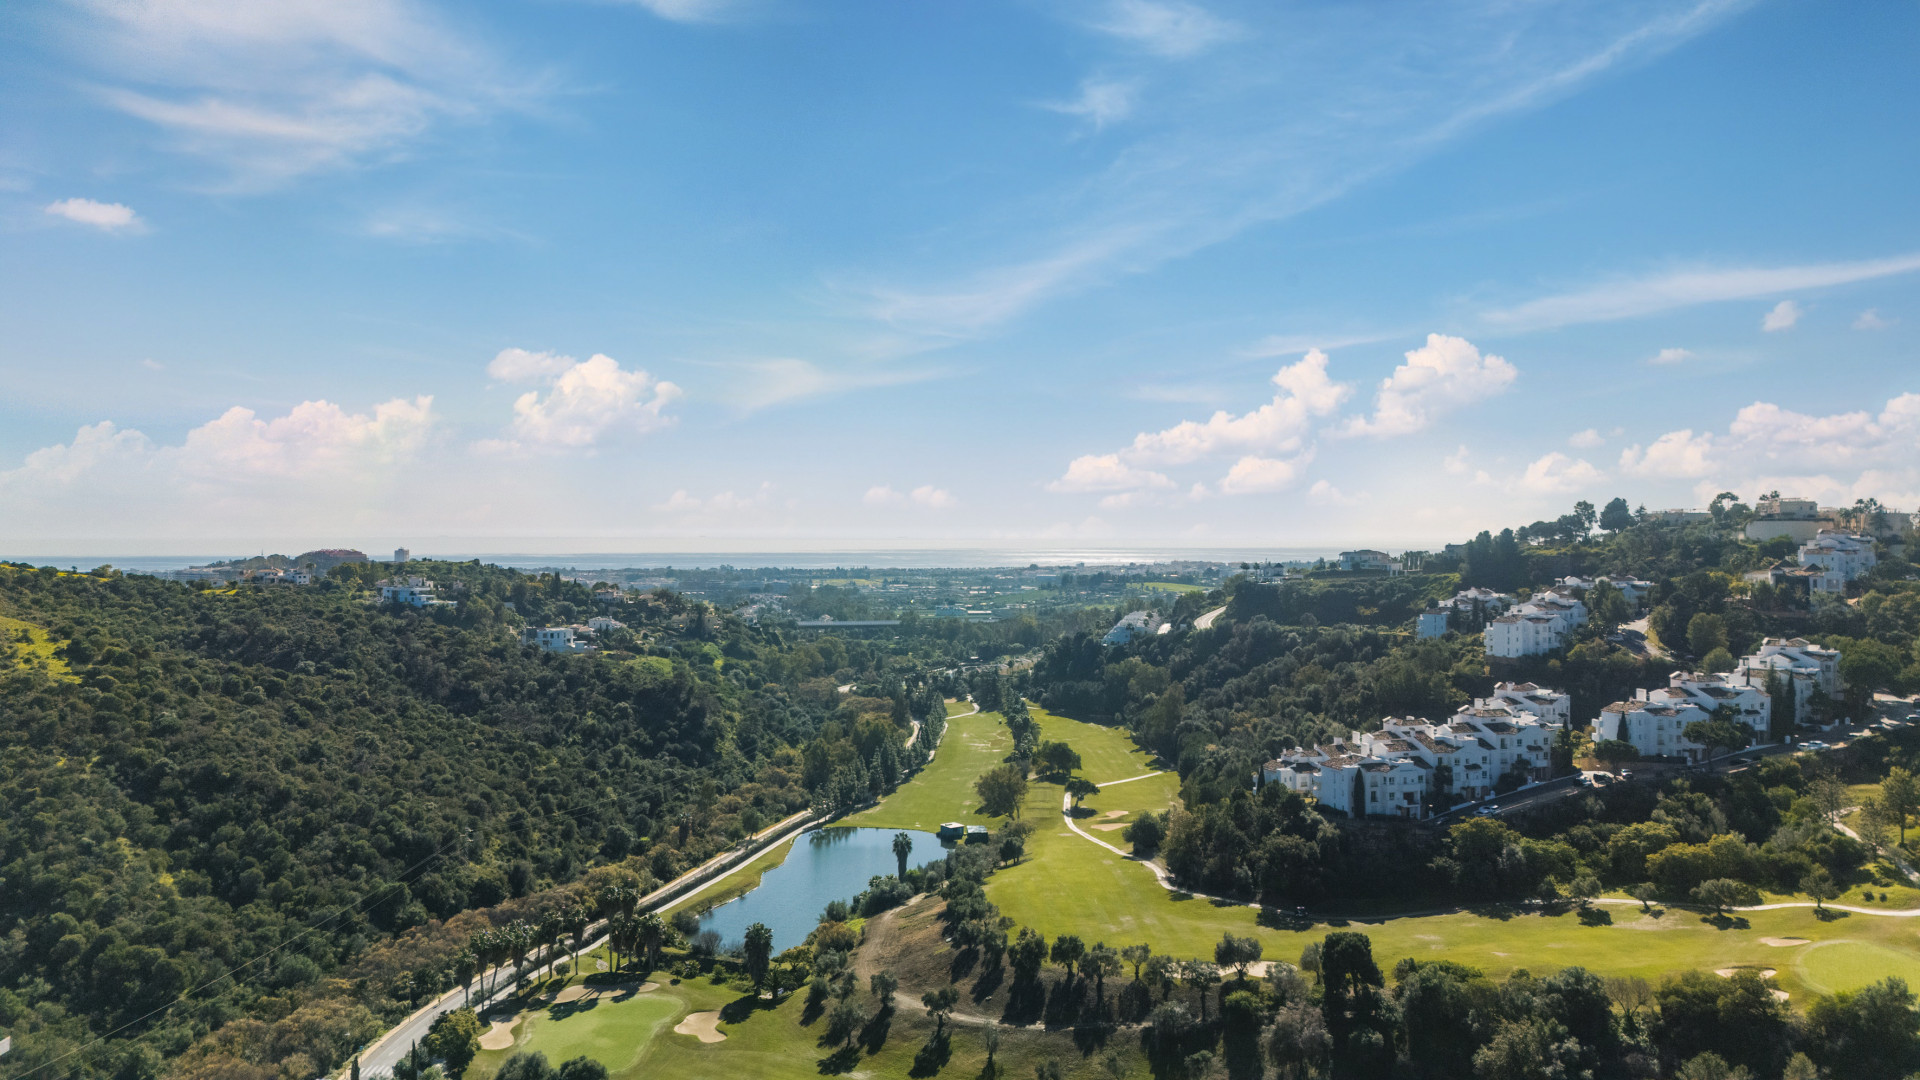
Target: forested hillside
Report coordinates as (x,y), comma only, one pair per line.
(267,782)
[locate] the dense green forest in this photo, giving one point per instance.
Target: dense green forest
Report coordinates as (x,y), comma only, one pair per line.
(275,782)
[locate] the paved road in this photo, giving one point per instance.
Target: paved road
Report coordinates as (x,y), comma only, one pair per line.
(1205,622)
(384,1053)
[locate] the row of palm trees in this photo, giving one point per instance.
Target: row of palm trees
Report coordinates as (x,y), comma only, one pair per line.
(628,933)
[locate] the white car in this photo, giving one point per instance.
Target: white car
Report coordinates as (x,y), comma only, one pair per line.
(1813,744)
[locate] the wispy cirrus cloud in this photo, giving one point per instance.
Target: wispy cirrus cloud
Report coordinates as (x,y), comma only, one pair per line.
(1205,172)
(1101,102)
(1630,298)
(270,92)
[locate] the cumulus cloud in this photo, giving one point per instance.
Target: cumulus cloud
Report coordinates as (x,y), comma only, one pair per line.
(1324,492)
(1459,461)
(1671,356)
(585,400)
(1675,454)
(1836,455)
(1871,319)
(1272,440)
(1106,472)
(1101,102)
(1586,440)
(925,495)
(109,217)
(1444,374)
(1170,29)
(1781,317)
(1253,474)
(1555,473)
(233,471)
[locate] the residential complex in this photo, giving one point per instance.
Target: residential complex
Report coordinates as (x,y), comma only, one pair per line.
(1537,626)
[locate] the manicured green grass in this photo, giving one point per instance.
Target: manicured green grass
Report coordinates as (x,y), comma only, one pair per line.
(1832,966)
(1174,586)
(1155,793)
(955,708)
(943,791)
(739,883)
(1106,753)
(613,1032)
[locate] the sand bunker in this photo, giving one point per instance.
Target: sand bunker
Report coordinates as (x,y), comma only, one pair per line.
(1110,826)
(1114,813)
(1727,973)
(571,993)
(704,1026)
(1783,942)
(499,1036)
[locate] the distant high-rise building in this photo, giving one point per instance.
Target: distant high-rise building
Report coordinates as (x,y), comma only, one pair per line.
(401,555)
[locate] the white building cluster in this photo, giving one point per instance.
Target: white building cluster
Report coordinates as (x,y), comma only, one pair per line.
(412,591)
(576,638)
(1655,721)
(1833,559)
(1136,624)
(1537,626)
(1410,766)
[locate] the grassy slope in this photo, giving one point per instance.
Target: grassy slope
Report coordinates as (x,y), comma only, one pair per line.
(739,883)
(35,653)
(943,791)
(1068,885)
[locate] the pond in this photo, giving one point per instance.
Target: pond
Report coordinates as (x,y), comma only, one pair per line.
(824,864)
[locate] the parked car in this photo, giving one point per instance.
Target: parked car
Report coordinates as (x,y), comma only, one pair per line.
(1487,811)
(1813,744)
(1626,774)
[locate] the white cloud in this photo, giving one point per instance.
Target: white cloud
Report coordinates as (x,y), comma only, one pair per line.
(1555,473)
(1442,375)
(585,400)
(234,471)
(1635,297)
(151,364)
(1675,454)
(1166,27)
(273,91)
(1324,492)
(1459,461)
(925,495)
(1671,356)
(687,11)
(1253,475)
(1106,472)
(762,384)
(1305,392)
(520,365)
(723,504)
(1871,319)
(1782,316)
(1586,440)
(1101,102)
(108,216)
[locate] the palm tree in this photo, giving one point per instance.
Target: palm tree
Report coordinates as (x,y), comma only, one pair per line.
(464,967)
(550,930)
(902,847)
(652,931)
(520,937)
(578,918)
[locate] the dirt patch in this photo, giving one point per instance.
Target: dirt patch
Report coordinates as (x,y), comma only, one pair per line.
(1111,826)
(499,1036)
(1728,973)
(1783,942)
(599,965)
(704,1026)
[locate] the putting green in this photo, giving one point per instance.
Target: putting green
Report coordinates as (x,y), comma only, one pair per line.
(1832,966)
(609,1030)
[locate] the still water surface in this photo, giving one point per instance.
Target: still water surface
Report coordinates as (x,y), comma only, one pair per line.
(825,864)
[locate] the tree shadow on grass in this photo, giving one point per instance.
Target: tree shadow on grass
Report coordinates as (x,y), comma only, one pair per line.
(562,1010)
(1090,1038)
(840,1061)
(1827,914)
(874,1034)
(933,1056)
(987,983)
(1594,916)
(1026,1000)
(963,963)
(1724,921)
(740,1008)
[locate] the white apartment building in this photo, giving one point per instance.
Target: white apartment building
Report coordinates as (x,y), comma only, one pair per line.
(1550,705)
(1488,601)
(1464,757)
(1538,626)
(1132,625)
(1840,557)
(1655,719)
(600,624)
(1796,664)
(1366,559)
(1429,624)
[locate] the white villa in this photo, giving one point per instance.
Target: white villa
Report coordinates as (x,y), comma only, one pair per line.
(1398,770)
(600,624)
(559,639)
(414,592)
(1796,663)
(1134,624)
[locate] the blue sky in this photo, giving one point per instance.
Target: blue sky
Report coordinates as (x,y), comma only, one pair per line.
(675,273)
